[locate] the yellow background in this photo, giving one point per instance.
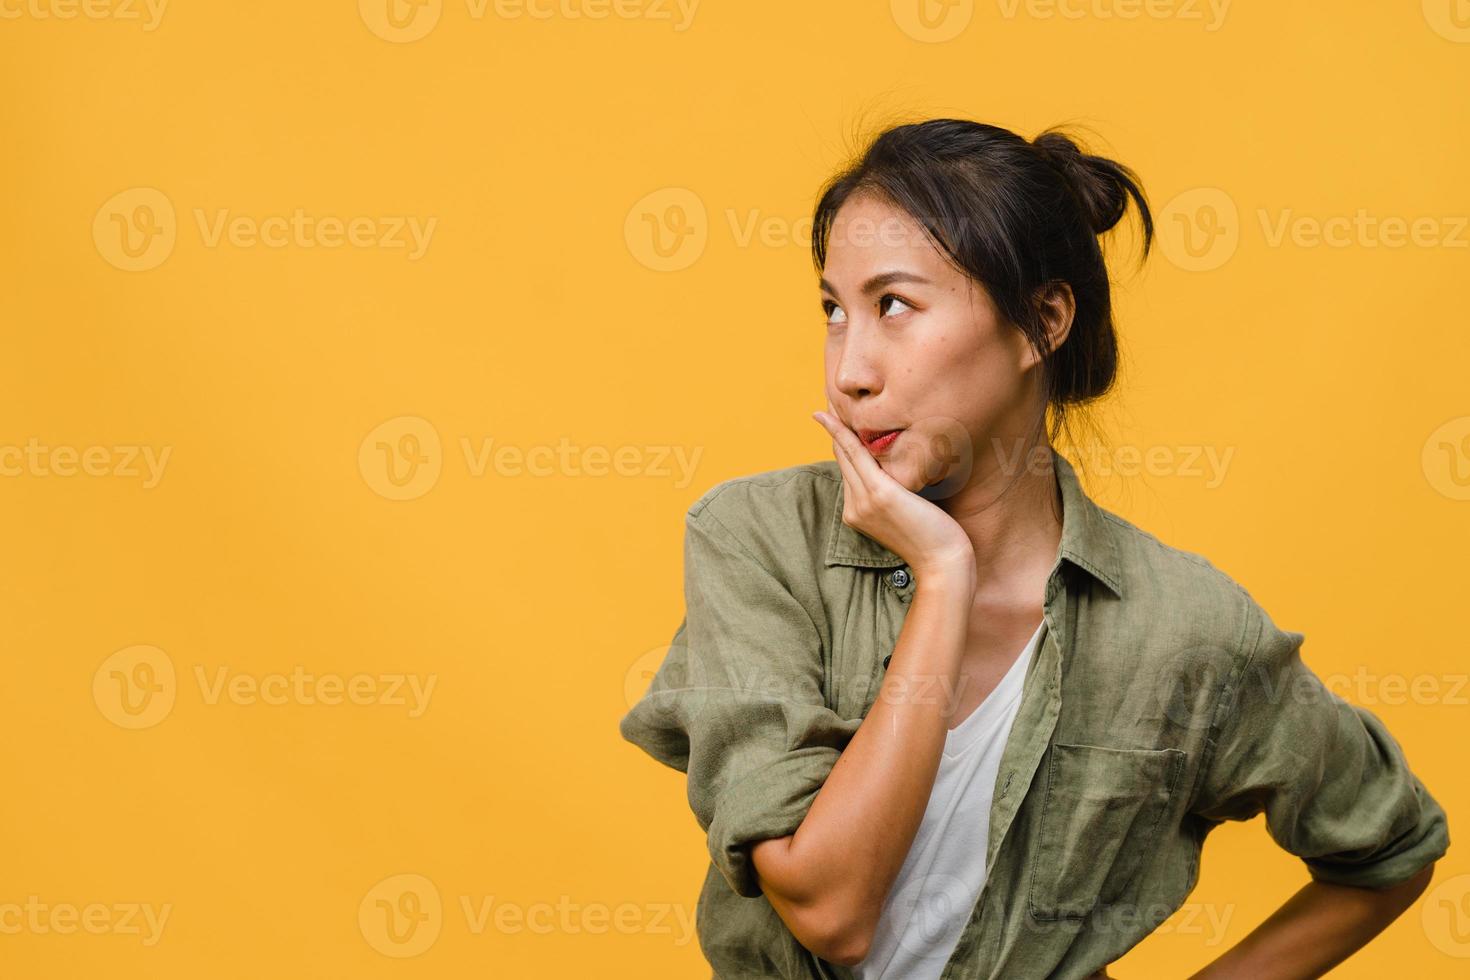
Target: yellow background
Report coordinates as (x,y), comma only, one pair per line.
(541,314)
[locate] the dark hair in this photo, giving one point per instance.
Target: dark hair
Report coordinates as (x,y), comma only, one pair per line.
(1015,216)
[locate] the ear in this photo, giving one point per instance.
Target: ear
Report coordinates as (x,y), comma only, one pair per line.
(1056,306)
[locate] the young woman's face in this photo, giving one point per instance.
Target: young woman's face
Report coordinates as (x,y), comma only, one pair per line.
(915,344)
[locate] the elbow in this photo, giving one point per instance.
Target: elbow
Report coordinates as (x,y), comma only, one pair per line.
(1415,886)
(848,956)
(841,939)
(827,919)
(836,929)
(827,928)
(1410,888)
(1397,899)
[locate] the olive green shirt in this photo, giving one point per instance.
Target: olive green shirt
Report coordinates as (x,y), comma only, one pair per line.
(1161,702)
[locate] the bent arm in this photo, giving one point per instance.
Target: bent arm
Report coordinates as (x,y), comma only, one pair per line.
(1318,927)
(1337,790)
(829,879)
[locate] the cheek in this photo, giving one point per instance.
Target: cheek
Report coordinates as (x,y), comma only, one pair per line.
(985,367)
(956,340)
(939,445)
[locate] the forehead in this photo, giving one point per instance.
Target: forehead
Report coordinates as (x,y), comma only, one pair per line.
(870,234)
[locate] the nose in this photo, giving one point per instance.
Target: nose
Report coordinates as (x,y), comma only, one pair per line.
(859,364)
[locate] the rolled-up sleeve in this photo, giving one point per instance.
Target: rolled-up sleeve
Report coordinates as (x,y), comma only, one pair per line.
(1334,785)
(738,703)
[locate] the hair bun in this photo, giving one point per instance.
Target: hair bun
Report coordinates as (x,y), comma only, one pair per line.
(1103,187)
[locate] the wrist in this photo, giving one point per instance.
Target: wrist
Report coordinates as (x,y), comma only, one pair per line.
(956,575)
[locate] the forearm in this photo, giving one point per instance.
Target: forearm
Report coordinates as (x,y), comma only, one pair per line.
(839,865)
(1318,927)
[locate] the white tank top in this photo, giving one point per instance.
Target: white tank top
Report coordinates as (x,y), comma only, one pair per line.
(937,887)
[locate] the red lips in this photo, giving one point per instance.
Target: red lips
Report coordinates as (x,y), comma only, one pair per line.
(878,440)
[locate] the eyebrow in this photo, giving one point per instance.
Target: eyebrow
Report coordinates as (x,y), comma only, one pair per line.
(882,279)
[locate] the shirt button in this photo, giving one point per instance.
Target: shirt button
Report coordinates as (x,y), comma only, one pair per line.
(899,578)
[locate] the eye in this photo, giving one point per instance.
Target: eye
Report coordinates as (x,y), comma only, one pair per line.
(897,299)
(832,310)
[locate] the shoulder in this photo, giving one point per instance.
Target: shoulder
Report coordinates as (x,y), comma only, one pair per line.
(1168,584)
(773,495)
(781,516)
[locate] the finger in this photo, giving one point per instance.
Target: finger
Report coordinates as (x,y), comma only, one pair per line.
(840,452)
(863,463)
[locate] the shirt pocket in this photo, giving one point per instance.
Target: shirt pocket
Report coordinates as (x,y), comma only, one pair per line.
(1100,819)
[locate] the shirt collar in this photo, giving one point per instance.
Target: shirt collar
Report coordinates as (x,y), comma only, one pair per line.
(1088,539)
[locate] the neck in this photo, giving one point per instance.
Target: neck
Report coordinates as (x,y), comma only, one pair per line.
(1009,509)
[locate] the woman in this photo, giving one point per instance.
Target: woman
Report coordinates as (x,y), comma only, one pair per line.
(941,714)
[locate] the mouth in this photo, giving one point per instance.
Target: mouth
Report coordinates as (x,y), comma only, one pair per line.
(878,440)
